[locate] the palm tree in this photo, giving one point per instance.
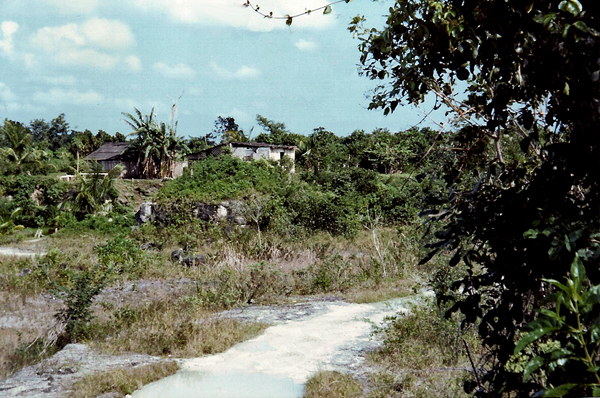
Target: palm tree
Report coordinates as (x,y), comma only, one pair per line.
(19,140)
(7,223)
(94,194)
(157,143)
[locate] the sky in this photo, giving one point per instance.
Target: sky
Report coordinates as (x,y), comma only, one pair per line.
(94,59)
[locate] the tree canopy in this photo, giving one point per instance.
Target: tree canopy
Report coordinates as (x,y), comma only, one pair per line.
(531,80)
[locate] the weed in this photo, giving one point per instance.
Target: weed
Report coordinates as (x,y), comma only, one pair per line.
(422,355)
(169,326)
(122,381)
(332,384)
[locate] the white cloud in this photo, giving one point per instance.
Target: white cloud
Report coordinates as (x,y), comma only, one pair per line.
(133,62)
(243,72)
(108,34)
(305,45)
(8,99)
(233,12)
(60,80)
(59,96)
(8,29)
(97,42)
(179,71)
(75,6)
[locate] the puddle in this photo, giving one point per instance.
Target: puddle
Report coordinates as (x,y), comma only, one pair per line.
(278,363)
(196,384)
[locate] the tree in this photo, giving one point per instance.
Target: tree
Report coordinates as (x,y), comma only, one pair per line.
(18,150)
(275,133)
(95,193)
(229,131)
(321,150)
(531,76)
(158,143)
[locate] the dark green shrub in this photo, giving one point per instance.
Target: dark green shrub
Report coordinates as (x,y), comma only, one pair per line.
(79,294)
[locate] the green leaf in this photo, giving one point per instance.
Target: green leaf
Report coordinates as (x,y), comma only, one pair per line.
(581,26)
(560,353)
(532,366)
(577,271)
(596,391)
(532,336)
(288,21)
(560,391)
(572,6)
(530,233)
(327,10)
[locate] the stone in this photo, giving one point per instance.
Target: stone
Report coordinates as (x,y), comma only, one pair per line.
(177,256)
(222,211)
(145,213)
(196,260)
(149,246)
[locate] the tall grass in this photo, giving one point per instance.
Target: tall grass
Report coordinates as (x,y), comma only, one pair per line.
(122,381)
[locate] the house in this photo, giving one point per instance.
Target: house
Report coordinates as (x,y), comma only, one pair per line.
(111,154)
(248,151)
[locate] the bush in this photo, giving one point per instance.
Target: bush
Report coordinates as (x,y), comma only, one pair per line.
(217,179)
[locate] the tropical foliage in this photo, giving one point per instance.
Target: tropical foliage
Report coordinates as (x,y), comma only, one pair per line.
(18,150)
(95,192)
(158,143)
(527,140)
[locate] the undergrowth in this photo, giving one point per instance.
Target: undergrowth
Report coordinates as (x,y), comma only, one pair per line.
(122,381)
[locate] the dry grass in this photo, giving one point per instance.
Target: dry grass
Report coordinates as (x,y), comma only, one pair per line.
(422,356)
(122,381)
(10,339)
(22,319)
(331,384)
(177,327)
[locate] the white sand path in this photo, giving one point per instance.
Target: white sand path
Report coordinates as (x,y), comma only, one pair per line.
(279,362)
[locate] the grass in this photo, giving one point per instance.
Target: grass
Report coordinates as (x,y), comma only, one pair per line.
(332,384)
(157,307)
(422,356)
(122,381)
(169,326)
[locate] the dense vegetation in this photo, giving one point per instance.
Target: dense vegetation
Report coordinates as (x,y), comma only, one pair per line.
(520,237)
(511,190)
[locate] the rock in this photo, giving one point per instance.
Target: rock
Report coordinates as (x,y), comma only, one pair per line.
(25,271)
(149,246)
(177,256)
(194,260)
(222,211)
(145,213)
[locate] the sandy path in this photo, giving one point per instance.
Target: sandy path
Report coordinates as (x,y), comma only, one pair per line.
(331,336)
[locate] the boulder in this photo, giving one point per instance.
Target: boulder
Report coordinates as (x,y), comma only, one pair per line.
(177,256)
(196,260)
(145,213)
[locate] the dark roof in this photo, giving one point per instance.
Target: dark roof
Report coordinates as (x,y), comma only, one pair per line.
(261,145)
(111,151)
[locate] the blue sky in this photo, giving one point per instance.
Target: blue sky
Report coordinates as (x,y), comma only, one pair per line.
(93,59)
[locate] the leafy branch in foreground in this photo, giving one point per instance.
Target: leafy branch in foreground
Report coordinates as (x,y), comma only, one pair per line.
(525,190)
(289,18)
(571,321)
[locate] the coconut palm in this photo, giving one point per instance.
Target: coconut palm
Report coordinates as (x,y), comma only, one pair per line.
(94,193)
(19,149)
(8,225)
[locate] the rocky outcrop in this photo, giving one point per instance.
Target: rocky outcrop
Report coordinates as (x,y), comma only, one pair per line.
(229,211)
